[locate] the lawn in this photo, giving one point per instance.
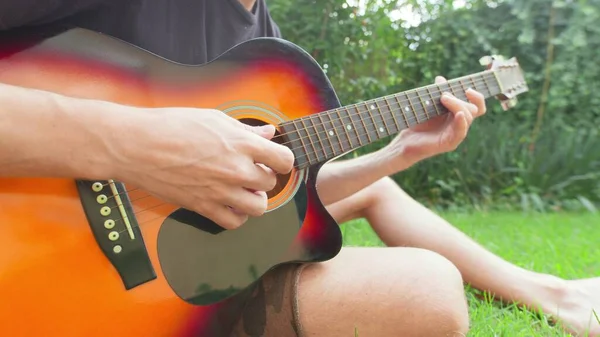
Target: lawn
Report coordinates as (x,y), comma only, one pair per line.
(562,244)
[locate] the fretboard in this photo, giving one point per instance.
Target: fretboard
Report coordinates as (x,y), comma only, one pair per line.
(323,136)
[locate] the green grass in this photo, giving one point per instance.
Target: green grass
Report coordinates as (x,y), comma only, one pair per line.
(563,244)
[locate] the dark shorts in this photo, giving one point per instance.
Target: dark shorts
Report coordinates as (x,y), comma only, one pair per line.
(273,308)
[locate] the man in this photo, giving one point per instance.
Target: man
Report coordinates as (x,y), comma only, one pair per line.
(377,291)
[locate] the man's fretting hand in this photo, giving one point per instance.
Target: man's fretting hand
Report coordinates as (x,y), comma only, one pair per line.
(440,134)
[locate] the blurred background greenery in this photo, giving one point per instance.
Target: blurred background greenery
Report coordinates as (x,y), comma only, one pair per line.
(542,155)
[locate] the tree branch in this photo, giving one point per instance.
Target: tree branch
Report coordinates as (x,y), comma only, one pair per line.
(547,79)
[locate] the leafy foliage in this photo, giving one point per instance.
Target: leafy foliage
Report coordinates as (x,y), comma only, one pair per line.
(544,154)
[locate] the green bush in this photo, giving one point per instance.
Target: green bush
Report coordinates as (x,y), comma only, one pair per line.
(495,164)
(367,53)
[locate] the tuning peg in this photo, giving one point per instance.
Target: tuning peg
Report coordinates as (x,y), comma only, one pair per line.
(509,103)
(486,60)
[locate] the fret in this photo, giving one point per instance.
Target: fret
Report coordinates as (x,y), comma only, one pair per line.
(291,138)
(423,104)
(475,85)
(349,128)
(304,140)
(464,87)
(450,85)
(495,88)
(378,121)
(444,87)
(486,85)
(490,86)
(392,113)
(385,116)
(377,116)
(363,123)
(342,131)
(361,127)
(325,131)
(401,110)
(485,89)
(414,110)
(319,133)
(334,130)
(429,101)
(313,138)
(374,124)
(362,120)
(434,102)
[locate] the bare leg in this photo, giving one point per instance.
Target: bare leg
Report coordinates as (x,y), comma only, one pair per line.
(401,221)
(366,290)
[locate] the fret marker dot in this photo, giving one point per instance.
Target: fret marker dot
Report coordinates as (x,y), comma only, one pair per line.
(380,129)
(407,109)
(427,102)
(349,127)
(372,107)
(330,133)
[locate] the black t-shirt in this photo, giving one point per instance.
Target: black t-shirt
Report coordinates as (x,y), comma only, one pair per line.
(184,31)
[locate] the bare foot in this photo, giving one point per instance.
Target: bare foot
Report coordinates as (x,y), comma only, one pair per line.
(576,307)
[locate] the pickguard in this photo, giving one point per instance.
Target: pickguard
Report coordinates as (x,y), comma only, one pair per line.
(205,264)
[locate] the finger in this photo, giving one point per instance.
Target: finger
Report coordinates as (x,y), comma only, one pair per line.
(259,178)
(460,127)
(247,202)
(469,117)
(266,131)
(275,156)
(478,100)
(440,79)
(455,105)
(224,216)
(278,157)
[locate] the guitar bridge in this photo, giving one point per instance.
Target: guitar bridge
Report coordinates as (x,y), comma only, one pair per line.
(115,228)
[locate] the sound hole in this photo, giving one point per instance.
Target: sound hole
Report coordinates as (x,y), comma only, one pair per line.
(282,179)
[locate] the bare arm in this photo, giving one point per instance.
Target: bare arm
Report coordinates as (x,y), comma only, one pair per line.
(339,180)
(48,135)
(199,159)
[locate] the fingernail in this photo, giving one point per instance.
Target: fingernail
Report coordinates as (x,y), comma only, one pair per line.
(265,128)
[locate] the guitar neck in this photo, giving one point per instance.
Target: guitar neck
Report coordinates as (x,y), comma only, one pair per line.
(320,137)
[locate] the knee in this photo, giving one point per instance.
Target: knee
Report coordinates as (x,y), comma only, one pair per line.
(385,189)
(438,304)
(385,184)
(380,191)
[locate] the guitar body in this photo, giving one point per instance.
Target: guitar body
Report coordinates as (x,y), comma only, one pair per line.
(166,272)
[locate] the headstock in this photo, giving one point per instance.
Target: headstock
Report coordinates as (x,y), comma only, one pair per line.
(510,77)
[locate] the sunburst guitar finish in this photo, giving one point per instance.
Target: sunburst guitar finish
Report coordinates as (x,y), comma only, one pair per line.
(100,258)
(54,278)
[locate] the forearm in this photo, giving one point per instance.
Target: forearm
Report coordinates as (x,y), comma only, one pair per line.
(340,179)
(48,135)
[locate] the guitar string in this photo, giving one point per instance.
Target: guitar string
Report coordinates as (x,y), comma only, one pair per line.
(387,106)
(393,128)
(325,147)
(386,109)
(137,212)
(452,85)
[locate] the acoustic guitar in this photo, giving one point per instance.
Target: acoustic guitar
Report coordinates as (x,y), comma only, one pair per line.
(97,258)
